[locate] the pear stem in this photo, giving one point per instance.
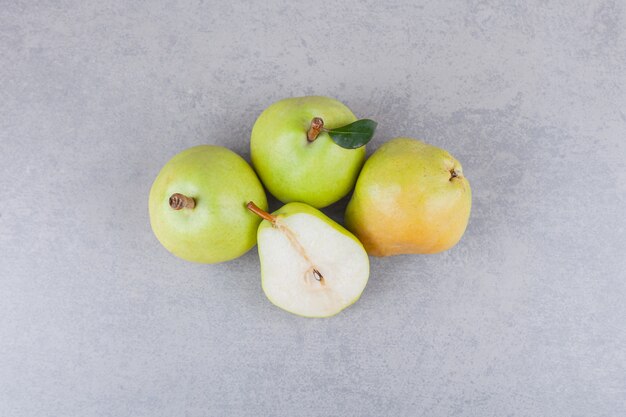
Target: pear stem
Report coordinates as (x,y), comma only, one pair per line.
(260,212)
(317,124)
(180,201)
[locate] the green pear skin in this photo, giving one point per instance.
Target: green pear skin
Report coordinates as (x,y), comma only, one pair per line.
(293,169)
(219,227)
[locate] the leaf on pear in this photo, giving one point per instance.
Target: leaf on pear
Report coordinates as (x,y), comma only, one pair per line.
(354,135)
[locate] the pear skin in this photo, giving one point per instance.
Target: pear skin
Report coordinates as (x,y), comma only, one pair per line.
(292,168)
(198,205)
(410,198)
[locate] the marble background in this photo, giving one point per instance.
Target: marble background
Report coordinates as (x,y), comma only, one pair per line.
(525,317)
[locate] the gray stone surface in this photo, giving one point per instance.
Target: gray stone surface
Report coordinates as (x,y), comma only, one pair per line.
(525,317)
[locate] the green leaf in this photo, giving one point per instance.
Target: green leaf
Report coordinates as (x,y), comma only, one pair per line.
(354,135)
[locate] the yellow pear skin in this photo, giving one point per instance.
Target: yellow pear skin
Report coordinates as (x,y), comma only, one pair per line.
(410,198)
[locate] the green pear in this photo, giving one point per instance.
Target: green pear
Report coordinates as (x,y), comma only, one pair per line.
(296,158)
(198,205)
(310,265)
(410,197)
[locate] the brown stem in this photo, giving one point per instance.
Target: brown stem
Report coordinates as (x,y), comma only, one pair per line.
(180,201)
(260,212)
(317,124)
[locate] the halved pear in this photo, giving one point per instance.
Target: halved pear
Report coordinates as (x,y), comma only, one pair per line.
(310,265)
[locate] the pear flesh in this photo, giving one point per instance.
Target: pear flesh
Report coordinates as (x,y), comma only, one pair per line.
(310,266)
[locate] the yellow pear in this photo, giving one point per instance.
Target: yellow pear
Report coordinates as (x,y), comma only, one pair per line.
(410,197)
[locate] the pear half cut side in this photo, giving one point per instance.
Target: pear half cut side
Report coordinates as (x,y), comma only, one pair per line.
(310,265)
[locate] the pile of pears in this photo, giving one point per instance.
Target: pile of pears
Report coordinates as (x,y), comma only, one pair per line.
(209,205)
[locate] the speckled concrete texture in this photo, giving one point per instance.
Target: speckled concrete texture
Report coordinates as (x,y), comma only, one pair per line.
(525,317)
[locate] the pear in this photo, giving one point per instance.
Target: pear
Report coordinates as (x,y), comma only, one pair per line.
(410,197)
(310,265)
(296,158)
(198,205)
